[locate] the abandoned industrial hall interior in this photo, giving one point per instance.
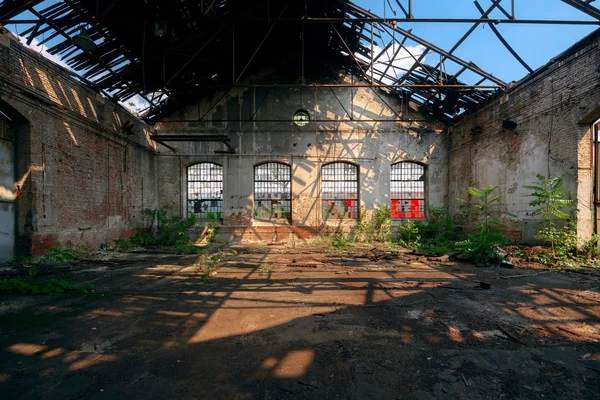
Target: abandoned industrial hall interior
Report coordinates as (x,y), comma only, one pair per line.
(226,199)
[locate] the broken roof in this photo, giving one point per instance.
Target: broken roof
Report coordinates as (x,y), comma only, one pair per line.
(173,53)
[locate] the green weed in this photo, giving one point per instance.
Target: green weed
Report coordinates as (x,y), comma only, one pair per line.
(171,231)
(373,226)
(57,254)
(485,208)
(266,268)
(436,236)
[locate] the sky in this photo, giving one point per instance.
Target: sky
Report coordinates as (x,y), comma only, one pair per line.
(536,44)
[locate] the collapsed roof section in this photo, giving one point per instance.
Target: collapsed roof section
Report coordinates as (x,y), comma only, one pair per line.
(172,53)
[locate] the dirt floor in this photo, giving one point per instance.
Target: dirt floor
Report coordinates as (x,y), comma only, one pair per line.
(275,322)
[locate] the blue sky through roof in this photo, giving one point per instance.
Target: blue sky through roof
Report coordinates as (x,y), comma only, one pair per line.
(536,44)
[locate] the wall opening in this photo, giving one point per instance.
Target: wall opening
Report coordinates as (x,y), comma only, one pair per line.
(8,212)
(596,169)
(205,191)
(407,190)
(272,191)
(339,191)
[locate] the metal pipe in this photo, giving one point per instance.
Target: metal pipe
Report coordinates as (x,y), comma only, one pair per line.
(497,4)
(584,7)
(402,8)
(355,85)
(173,121)
(389,21)
(372,52)
(342,105)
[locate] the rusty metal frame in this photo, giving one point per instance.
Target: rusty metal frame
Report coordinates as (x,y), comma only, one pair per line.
(428,86)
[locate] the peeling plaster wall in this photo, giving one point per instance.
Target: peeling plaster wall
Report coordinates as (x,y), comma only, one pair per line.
(330,136)
(79,179)
(554,110)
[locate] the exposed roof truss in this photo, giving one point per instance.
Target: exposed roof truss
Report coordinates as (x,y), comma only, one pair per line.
(173,53)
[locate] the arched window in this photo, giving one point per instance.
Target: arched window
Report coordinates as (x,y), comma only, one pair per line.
(272,191)
(339,190)
(407,189)
(205,190)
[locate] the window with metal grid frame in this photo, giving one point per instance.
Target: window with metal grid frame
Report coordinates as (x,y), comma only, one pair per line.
(272,191)
(205,190)
(5,129)
(407,190)
(339,191)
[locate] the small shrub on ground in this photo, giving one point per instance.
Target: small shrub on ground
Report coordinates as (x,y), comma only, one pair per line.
(57,254)
(432,237)
(336,242)
(266,268)
(373,226)
(550,204)
(207,262)
(122,244)
(409,234)
(142,239)
(485,208)
(171,231)
(589,248)
(549,200)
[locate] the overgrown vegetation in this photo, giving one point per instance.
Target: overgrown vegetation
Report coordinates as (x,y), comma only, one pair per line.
(555,229)
(266,268)
(170,232)
(373,226)
(336,242)
(436,236)
(206,263)
(50,286)
(549,200)
(57,254)
(54,254)
(482,244)
(484,207)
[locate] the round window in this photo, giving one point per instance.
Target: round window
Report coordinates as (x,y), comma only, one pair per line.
(301,117)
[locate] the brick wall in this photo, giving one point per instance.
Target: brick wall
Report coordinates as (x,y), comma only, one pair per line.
(553,109)
(82,180)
